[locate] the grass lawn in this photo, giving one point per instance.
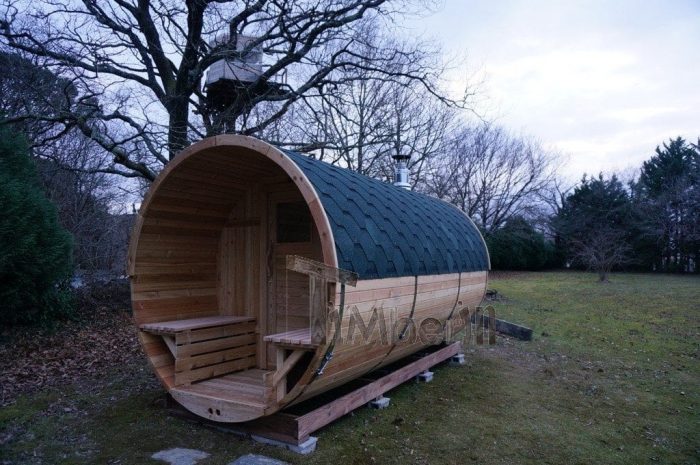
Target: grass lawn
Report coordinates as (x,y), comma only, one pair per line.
(611,376)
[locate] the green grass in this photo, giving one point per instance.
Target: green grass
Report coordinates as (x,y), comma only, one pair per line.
(611,376)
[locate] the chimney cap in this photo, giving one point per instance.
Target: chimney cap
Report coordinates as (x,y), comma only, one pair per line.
(400,157)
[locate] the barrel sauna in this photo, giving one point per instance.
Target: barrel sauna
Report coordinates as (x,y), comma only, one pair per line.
(224,303)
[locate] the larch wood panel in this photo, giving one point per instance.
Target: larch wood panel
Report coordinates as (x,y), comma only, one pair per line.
(203,302)
(163,303)
(181,245)
(189,206)
(182,232)
(181,225)
(191,180)
(227,259)
(341,374)
(216,358)
(260,204)
(221,159)
(282,315)
(229,398)
(175,285)
(234,389)
(191,275)
(177,268)
(155,240)
(215,408)
(218,331)
(437,299)
(231,392)
(192,196)
(228,177)
(213,345)
(252,304)
(239,260)
(196,217)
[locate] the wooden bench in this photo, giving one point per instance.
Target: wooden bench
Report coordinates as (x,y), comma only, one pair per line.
(291,346)
(204,348)
(296,339)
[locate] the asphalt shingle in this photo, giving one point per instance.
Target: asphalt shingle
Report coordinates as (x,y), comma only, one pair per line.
(383,231)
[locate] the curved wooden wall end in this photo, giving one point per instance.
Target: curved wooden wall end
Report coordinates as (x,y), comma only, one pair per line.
(174,243)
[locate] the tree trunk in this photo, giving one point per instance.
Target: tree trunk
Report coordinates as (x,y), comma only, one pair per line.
(177,129)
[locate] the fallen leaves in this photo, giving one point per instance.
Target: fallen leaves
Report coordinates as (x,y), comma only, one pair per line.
(32,359)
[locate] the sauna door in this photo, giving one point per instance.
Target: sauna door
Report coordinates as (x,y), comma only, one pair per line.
(291,233)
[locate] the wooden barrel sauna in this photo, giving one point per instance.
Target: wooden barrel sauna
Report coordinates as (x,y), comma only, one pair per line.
(242,250)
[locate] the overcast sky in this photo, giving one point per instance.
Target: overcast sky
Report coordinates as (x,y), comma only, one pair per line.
(603,82)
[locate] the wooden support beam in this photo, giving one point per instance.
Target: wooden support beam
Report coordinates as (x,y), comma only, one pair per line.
(288,364)
(170,342)
(330,412)
(279,386)
(321,270)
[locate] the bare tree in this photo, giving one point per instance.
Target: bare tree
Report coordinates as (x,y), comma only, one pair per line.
(26,89)
(602,250)
(417,126)
(492,175)
(139,64)
(88,204)
(595,224)
(370,116)
(346,124)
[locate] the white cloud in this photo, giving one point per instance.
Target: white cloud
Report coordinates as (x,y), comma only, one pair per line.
(604,81)
(640,114)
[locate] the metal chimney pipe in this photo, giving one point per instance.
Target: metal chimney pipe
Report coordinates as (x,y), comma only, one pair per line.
(401,174)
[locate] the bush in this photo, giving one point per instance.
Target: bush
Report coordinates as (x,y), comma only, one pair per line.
(518,246)
(113,295)
(35,251)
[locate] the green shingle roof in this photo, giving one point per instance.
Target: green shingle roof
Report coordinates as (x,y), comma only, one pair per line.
(383,231)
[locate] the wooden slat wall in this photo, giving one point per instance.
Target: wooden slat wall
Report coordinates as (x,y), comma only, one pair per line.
(436,296)
(239,258)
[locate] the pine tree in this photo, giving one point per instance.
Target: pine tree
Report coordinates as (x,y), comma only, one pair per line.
(668,193)
(35,251)
(518,246)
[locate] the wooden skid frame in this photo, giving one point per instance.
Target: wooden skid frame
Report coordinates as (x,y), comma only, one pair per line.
(295,429)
